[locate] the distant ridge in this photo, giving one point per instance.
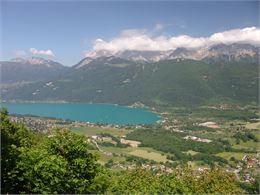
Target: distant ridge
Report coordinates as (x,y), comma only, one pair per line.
(219,74)
(232,51)
(30,70)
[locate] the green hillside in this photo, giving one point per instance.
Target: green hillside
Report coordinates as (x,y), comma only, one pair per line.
(170,82)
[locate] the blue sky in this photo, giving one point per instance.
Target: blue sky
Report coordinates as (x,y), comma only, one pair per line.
(68,28)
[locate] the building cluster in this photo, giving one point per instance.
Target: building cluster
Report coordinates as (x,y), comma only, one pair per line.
(251,161)
(35,123)
(132,143)
(248,168)
(46,125)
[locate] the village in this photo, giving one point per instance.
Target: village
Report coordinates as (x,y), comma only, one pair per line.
(245,167)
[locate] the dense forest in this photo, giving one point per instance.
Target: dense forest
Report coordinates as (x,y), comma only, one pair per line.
(61,162)
(164,83)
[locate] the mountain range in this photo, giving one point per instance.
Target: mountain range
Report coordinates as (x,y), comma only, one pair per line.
(234,51)
(217,74)
(30,70)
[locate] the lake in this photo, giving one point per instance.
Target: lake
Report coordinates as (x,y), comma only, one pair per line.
(94,113)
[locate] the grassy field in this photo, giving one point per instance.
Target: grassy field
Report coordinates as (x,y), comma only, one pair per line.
(257,134)
(196,164)
(150,155)
(117,150)
(103,158)
(228,155)
(249,144)
(253,125)
(143,152)
(89,131)
(214,135)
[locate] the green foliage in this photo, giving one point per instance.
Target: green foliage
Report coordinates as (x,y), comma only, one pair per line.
(34,163)
(39,172)
(115,139)
(180,181)
(13,136)
(209,159)
(184,181)
(61,164)
(217,181)
(136,160)
(226,114)
(109,164)
(192,127)
(252,188)
(169,82)
(247,136)
(136,182)
(102,182)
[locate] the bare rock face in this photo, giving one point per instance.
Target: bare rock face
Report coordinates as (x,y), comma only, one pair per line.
(234,51)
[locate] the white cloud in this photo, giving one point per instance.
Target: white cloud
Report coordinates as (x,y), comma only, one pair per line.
(47,52)
(246,35)
(141,40)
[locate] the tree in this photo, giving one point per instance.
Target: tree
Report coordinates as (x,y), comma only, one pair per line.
(135,182)
(181,181)
(218,181)
(13,136)
(60,164)
(172,184)
(109,164)
(36,163)
(37,171)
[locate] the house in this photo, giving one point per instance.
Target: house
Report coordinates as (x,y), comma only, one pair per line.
(209,124)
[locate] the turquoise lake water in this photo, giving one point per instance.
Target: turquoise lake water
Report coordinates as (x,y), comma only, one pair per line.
(94,113)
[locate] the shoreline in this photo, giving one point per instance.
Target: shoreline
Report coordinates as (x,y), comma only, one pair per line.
(80,122)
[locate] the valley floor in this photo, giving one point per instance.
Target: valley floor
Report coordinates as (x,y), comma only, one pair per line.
(199,137)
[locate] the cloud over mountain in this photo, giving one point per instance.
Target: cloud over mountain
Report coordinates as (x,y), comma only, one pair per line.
(142,40)
(47,52)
